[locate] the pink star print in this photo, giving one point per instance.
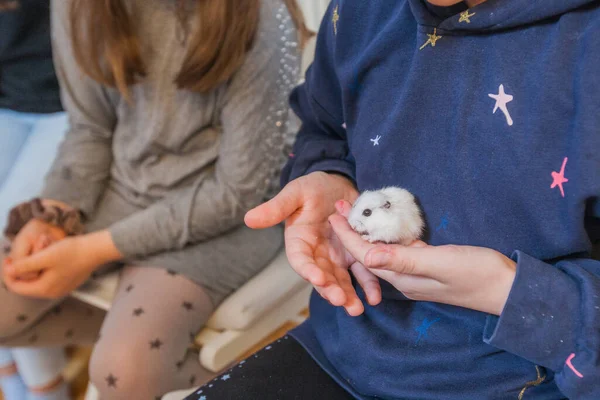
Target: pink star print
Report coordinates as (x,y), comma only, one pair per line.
(559,178)
(570,365)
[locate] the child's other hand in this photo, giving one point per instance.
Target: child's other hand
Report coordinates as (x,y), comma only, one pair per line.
(40,244)
(61,267)
(472,277)
(36,235)
(33,238)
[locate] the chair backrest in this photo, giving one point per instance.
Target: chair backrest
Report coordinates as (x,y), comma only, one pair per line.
(313,12)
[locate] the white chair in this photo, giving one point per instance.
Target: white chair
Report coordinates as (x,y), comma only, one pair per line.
(273,297)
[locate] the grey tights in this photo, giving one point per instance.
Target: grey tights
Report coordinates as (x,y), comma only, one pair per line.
(142,345)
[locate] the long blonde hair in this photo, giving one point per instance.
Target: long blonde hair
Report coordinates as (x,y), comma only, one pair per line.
(107,49)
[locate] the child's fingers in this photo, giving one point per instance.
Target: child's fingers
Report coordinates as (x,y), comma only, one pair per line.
(21,247)
(33,264)
(353,305)
(351,240)
(332,293)
(343,207)
(41,243)
(30,276)
(368,282)
(30,288)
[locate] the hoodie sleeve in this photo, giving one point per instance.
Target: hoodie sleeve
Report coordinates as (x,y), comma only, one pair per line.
(321,144)
(552,318)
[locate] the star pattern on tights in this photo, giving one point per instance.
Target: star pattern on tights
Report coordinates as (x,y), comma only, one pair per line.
(111,381)
(138,311)
(156,344)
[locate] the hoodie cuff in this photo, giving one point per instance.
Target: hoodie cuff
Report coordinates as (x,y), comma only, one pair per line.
(338,166)
(541,315)
(334,166)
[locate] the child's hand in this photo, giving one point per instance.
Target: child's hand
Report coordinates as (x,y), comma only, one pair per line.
(313,250)
(35,236)
(61,267)
(40,244)
(465,276)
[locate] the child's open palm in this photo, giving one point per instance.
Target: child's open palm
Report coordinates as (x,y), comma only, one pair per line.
(313,249)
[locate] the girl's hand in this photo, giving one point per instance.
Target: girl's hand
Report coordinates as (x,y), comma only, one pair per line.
(62,267)
(313,250)
(34,236)
(465,276)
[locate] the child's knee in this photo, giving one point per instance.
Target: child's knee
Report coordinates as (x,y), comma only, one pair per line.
(119,372)
(12,320)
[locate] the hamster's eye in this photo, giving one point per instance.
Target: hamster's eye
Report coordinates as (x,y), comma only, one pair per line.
(367,213)
(387,204)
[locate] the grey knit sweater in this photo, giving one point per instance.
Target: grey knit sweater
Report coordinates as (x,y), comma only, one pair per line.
(187,165)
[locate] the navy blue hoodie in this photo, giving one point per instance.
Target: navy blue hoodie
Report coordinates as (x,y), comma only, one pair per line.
(491,117)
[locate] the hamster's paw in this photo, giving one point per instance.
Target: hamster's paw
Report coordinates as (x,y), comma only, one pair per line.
(367,237)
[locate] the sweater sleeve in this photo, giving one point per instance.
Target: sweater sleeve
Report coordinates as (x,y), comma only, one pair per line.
(552,318)
(321,144)
(81,169)
(255,126)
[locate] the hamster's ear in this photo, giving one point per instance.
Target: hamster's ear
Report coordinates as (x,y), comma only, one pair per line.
(387,204)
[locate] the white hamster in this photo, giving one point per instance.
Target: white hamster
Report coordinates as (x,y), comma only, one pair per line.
(389,215)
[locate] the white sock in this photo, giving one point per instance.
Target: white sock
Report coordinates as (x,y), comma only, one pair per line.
(60,392)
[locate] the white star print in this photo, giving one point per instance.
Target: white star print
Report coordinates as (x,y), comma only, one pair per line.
(376,140)
(502,99)
(344,125)
(225,377)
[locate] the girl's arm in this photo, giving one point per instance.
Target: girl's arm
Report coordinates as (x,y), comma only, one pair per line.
(552,318)
(82,167)
(255,126)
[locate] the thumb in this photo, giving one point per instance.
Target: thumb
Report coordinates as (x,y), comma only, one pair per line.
(276,210)
(400,259)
